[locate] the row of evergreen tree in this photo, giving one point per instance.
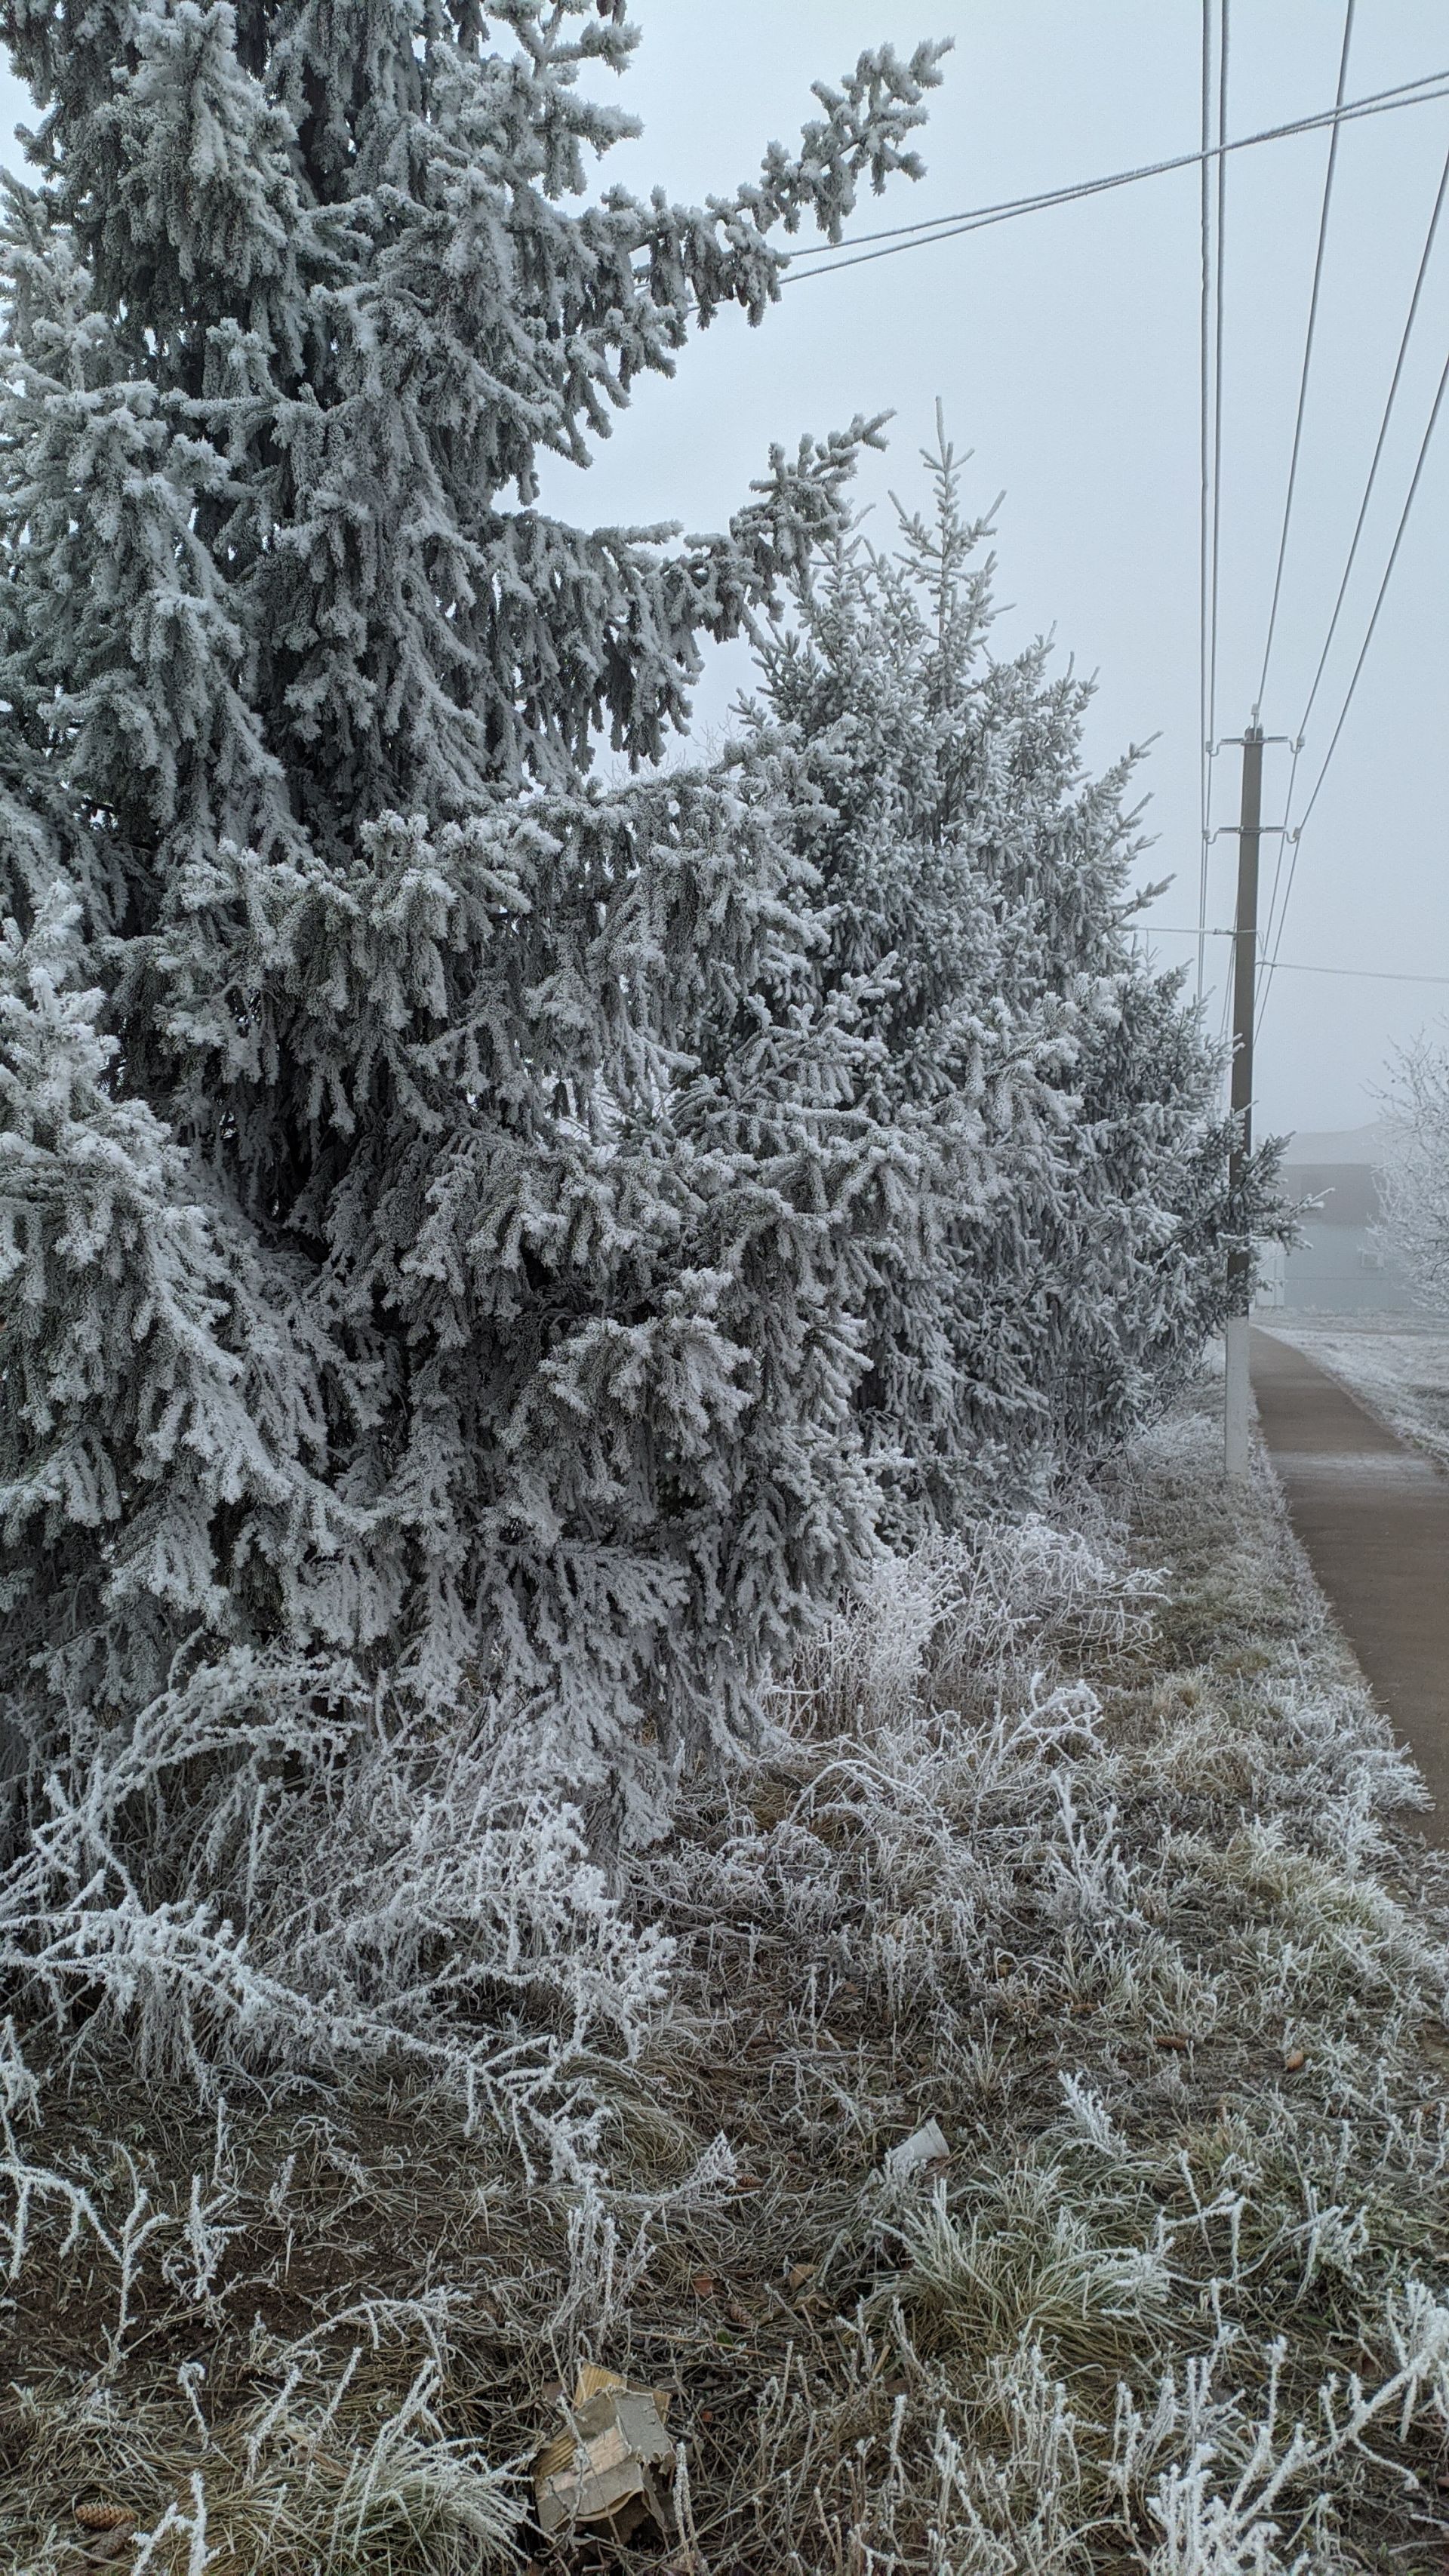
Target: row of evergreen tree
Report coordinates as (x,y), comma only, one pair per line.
(471,1238)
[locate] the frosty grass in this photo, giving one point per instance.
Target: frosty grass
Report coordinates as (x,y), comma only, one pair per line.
(1103,1872)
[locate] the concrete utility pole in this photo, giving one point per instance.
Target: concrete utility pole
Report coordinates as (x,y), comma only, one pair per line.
(1245,980)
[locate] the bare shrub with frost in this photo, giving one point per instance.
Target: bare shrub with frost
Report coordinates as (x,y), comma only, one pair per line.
(328,1886)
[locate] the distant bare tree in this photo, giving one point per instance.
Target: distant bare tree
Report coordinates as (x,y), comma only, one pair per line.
(1416,1212)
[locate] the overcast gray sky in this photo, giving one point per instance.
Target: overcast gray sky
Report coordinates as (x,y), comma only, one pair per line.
(1065,348)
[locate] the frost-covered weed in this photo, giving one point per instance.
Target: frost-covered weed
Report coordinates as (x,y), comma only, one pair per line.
(1114,1894)
(351,1886)
(995,1600)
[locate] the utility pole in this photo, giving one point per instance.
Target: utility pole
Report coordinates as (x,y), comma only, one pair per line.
(1245,977)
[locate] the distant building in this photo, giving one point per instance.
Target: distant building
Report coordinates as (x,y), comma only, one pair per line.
(1341,1269)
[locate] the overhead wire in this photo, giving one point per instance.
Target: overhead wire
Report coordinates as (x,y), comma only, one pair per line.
(1363,509)
(1285,842)
(1377,458)
(1290,965)
(1290,839)
(1204,508)
(1375,974)
(1211,734)
(1421,92)
(1394,551)
(1308,337)
(1428,88)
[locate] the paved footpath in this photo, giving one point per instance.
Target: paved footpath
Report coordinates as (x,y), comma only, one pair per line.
(1374,1517)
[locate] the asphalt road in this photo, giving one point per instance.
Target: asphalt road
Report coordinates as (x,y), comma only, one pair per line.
(1374,1518)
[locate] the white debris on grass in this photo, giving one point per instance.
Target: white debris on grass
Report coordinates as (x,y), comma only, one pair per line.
(923,2149)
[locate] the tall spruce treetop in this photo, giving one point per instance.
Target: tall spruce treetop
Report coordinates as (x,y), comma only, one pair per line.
(300,303)
(425,1181)
(1062,1252)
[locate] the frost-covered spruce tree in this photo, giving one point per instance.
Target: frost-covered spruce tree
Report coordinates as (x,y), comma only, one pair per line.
(1062,1247)
(425,1180)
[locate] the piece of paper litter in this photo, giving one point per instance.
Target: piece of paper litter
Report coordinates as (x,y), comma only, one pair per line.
(614,2463)
(927,2146)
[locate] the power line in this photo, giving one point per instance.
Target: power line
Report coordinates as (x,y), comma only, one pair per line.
(1222,195)
(1379,443)
(1210,737)
(1425,91)
(1374,103)
(1422,92)
(1307,349)
(1376,974)
(1288,965)
(1285,838)
(1204,482)
(1352,555)
(1424,447)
